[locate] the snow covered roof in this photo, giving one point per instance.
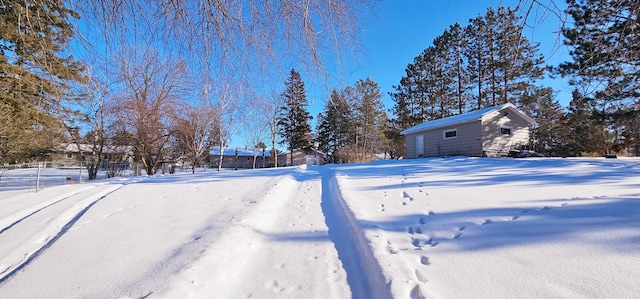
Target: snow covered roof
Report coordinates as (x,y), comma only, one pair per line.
(87,148)
(230,151)
(465,118)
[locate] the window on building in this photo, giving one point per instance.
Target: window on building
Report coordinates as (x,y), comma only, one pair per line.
(450,134)
(69,155)
(506,130)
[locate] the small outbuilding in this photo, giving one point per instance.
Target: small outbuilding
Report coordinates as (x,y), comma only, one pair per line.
(488,132)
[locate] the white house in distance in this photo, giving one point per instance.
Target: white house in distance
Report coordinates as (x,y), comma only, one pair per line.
(482,133)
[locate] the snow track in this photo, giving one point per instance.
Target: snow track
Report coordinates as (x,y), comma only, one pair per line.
(17,217)
(363,272)
(284,235)
(21,255)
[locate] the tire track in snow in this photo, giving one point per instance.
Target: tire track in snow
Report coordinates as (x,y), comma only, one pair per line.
(17,217)
(54,231)
(364,274)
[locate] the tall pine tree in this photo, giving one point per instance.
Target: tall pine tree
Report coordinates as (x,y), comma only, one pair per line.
(587,135)
(293,121)
(334,126)
(35,76)
(550,132)
(604,42)
(370,118)
(605,46)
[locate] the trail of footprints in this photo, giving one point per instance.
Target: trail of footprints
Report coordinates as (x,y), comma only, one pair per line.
(419,242)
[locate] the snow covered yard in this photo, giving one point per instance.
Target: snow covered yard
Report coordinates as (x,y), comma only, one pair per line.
(432,228)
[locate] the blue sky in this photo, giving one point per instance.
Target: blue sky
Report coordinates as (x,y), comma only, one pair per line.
(397,31)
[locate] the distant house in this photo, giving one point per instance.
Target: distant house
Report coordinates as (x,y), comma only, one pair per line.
(491,131)
(244,158)
(69,155)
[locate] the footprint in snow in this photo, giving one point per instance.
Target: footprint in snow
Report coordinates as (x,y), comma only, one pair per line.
(460,228)
(419,243)
(390,248)
(274,285)
(406,195)
(456,235)
(381,207)
(421,221)
(425,260)
(486,221)
(513,218)
(416,293)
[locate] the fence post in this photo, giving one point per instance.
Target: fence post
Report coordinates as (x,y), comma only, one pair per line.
(38,178)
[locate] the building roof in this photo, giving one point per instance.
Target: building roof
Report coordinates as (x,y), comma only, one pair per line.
(88,148)
(465,118)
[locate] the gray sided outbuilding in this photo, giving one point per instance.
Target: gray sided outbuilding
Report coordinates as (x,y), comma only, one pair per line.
(491,131)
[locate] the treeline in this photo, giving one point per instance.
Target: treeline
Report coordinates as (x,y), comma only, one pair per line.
(489,62)
(353,124)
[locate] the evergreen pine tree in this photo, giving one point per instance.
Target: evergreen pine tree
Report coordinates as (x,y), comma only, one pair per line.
(457,43)
(477,58)
(35,76)
(334,126)
(444,99)
(370,117)
(293,120)
(605,46)
(519,63)
(587,134)
(604,42)
(549,133)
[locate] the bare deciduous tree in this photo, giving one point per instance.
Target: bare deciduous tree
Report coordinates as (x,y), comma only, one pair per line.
(94,117)
(229,99)
(256,125)
(151,90)
(194,125)
(271,107)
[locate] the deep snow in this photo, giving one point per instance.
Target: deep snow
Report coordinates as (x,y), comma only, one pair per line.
(426,228)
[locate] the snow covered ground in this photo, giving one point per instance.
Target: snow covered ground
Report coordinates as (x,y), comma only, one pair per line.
(426,228)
